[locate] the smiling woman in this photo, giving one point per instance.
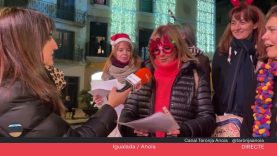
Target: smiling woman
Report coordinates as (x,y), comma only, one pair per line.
(261,117)
(235,60)
(242,28)
(270,37)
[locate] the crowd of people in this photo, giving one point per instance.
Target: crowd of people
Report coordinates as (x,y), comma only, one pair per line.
(243,72)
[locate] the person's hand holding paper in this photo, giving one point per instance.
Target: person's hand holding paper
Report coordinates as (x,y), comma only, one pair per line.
(159,121)
(172,132)
(100,89)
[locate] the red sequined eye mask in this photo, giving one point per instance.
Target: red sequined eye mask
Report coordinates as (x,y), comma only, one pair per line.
(166,45)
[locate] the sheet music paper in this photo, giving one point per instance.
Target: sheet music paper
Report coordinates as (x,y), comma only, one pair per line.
(156,122)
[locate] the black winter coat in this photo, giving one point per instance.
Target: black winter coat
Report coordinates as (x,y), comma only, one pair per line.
(193,112)
(19,105)
(233,77)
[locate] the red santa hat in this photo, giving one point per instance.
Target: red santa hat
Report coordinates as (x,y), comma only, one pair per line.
(116,38)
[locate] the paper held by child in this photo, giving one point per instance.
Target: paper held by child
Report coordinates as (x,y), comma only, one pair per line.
(103,88)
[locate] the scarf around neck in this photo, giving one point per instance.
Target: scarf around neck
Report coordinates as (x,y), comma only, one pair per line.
(57,76)
(167,69)
(117,63)
(264,99)
(118,73)
(241,76)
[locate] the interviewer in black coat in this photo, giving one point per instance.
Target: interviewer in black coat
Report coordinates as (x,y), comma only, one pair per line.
(28,96)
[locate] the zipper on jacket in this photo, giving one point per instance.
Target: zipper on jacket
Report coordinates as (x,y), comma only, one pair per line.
(174,83)
(229,108)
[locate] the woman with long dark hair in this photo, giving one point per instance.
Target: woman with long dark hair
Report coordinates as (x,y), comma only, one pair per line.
(29,98)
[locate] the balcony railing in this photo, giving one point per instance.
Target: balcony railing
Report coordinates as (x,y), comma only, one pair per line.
(51,10)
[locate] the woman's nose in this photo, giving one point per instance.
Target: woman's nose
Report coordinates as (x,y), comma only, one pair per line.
(125,52)
(162,52)
(264,37)
(55,45)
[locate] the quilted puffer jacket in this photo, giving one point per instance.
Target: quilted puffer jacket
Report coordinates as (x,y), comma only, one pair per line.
(190,106)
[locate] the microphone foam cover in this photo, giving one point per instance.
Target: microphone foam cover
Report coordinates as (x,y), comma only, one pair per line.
(144,74)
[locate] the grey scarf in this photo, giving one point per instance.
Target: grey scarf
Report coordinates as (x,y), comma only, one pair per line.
(119,73)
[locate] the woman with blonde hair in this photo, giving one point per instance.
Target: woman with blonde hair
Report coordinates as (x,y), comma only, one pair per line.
(121,63)
(177,85)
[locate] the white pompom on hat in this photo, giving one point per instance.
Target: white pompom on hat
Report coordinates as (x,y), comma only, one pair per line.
(116,38)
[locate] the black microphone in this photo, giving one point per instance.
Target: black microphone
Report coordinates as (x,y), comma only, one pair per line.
(136,80)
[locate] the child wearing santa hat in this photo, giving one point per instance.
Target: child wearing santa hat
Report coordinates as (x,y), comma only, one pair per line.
(121,62)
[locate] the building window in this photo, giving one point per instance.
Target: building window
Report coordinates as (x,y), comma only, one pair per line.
(144,35)
(21,3)
(66,9)
(206,25)
(101,2)
(146,6)
(99,45)
(65,41)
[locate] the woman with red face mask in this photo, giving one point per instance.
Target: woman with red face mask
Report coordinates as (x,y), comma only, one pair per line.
(173,87)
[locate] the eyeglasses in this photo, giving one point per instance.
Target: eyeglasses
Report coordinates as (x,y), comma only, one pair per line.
(156,46)
(165,49)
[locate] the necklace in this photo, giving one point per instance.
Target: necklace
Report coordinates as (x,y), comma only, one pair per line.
(263,99)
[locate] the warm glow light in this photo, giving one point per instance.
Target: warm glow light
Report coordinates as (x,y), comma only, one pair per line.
(206,25)
(124,17)
(161,8)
